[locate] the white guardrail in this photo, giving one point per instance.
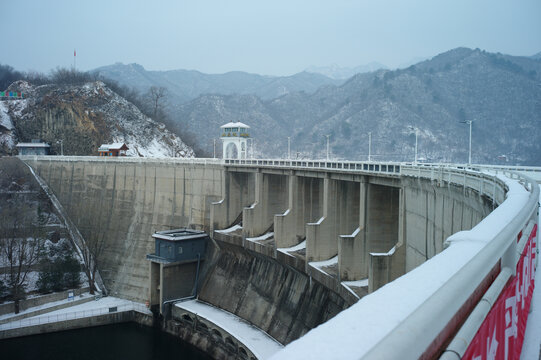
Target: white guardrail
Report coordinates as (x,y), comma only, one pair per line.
(73,315)
(364,166)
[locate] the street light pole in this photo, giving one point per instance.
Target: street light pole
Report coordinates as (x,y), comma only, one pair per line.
(61,146)
(469,156)
(214,145)
(369,146)
(469,122)
(416,135)
(289,148)
(327,146)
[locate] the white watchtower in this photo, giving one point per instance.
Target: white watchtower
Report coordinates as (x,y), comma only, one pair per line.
(235,140)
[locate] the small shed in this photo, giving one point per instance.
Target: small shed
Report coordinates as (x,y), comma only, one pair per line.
(174,266)
(115,149)
(35,147)
(179,245)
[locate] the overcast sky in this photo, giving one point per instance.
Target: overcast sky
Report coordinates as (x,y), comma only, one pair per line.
(278,37)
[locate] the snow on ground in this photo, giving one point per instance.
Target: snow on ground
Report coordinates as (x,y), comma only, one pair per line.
(18,106)
(259,342)
(89,309)
(531,349)
(321,264)
(102,303)
(346,337)
(262,237)
(356,283)
(5,120)
(230,230)
(44,306)
(297,247)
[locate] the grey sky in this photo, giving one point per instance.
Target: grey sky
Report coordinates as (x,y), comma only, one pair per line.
(274,37)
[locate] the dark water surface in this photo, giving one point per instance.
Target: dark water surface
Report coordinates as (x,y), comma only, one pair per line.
(120,341)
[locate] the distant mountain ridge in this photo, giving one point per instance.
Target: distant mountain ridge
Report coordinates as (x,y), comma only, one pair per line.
(186,85)
(342,73)
(499,92)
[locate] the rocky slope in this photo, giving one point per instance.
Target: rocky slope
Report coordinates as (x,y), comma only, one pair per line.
(500,93)
(83,117)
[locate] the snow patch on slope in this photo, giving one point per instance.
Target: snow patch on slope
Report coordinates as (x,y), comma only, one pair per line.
(7,137)
(5,120)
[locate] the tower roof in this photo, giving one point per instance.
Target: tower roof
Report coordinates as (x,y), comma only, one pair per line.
(235,124)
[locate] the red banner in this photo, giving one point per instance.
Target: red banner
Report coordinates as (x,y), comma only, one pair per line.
(502,333)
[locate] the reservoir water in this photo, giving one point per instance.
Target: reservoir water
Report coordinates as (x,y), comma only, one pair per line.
(115,342)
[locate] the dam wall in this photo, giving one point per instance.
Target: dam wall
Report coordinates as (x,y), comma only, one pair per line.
(434,211)
(334,235)
(123,202)
(282,301)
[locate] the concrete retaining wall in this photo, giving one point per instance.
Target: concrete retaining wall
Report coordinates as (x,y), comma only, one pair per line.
(49,309)
(105,319)
(39,300)
(126,202)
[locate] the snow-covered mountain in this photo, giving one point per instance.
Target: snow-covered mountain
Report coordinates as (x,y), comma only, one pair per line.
(335,71)
(83,117)
(7,136)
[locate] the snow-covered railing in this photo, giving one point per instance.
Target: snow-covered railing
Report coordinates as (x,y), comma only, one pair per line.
(73,315)
(123,159)
(379,167)
(414,316)
(482,182)
(365,166)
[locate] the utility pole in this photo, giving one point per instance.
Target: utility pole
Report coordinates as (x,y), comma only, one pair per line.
(289,148)
(327,146)
(416,136)
(214,144)
(74,59)
(369,146)
(470,123)
(61,142)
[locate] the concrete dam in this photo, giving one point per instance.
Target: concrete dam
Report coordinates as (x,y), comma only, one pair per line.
(294,243)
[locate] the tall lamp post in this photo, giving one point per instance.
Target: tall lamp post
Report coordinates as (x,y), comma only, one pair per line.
(416,136)
(369,146)
(61,142)
(327,146)
(214,145)
(289,148)
(468,122)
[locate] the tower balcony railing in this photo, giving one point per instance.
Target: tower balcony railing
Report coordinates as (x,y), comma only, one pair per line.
(234,134)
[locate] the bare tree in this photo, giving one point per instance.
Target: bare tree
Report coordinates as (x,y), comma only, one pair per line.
(69,76)
(157,96)
(21,243)
(96,244)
